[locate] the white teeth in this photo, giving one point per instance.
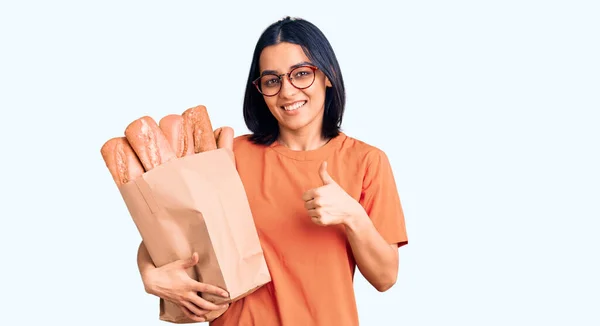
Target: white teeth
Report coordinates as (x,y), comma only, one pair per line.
(294,106)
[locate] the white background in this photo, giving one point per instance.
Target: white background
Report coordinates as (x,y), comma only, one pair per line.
(488,111)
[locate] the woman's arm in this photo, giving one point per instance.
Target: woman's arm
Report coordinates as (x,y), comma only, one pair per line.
(145,264)
(329,204)
(376,259)
(172,283)
(376,229)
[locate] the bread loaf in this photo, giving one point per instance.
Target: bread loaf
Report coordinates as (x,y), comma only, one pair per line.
(149,142)
(180,138)
(121,160)
(198,120)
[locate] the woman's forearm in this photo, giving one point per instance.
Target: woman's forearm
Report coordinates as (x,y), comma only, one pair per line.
(144,261)
(376,259)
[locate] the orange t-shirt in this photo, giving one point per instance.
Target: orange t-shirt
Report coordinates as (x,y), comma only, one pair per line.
(311,266)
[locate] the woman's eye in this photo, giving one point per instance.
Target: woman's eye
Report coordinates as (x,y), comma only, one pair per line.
(271,82)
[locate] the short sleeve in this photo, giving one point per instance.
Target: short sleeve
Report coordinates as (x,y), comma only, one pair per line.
(381,200)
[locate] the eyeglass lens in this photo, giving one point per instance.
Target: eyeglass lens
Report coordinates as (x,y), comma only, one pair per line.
(301,77)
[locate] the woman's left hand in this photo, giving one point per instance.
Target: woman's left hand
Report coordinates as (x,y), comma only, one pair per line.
(330,204)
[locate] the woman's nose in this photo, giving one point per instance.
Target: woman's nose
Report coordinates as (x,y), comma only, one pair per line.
(287,88)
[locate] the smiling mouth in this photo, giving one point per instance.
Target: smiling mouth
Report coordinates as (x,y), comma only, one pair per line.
(294,106)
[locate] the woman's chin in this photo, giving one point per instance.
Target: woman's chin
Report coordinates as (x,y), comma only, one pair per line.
(296,123)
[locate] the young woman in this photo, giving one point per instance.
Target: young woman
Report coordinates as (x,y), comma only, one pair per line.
(324,203)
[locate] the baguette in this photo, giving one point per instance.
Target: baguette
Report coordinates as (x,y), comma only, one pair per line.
(198,120)
(224,137)
(180,138)
(121,160)
(149,142)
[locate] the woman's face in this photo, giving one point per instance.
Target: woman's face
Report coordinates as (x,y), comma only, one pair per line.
(298,110)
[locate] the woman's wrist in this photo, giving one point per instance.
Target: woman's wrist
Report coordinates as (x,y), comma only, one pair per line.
(355,222)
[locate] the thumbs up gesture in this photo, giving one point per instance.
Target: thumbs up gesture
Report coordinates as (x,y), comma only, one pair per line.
(330,204)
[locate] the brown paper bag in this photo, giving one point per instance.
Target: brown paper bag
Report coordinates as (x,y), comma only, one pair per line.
(198,203)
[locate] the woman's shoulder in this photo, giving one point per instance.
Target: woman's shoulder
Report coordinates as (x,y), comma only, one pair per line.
(242,143)
(241,139)
(369,161)
(361,149)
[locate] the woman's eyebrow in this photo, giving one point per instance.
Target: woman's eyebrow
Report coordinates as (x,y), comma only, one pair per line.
(273,72)
(268,72)
(303,63)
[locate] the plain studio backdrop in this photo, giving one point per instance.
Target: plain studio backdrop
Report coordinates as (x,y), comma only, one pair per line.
(488,111)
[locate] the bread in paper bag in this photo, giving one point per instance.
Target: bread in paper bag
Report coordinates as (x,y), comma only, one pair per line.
(196,203)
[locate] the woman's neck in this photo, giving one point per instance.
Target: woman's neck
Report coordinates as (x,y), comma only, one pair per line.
(301,141)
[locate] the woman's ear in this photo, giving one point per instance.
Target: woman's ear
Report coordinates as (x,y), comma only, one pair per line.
(327,82)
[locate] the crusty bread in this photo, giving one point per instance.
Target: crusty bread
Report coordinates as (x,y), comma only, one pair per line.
(224,137)
(121,160)
(149,142)
(179,137)
(197,117)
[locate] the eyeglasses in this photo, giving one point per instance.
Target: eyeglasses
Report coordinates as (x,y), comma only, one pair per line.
(300,77)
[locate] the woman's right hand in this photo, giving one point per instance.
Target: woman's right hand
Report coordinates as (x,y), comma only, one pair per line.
(171,282)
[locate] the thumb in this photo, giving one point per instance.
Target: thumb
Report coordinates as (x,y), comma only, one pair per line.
(225,137)
(324,175)
(190,262)
(217,133)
